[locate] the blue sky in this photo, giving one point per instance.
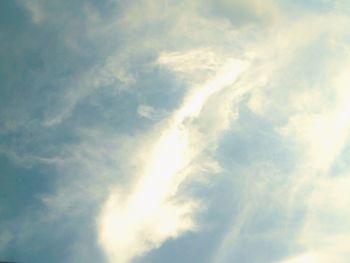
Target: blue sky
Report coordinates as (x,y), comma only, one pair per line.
(174,131)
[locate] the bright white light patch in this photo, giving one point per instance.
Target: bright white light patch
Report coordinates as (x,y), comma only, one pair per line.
(151,213)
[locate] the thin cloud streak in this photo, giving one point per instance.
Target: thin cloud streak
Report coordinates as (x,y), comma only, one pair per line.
(153,212)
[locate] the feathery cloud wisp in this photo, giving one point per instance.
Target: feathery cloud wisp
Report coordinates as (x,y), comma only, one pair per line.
(153,212)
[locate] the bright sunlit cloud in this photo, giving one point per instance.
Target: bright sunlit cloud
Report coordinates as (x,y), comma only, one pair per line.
(159,131)
(153,211)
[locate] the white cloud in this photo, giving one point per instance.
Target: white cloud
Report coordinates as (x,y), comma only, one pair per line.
(244,13)
(154,211)
(311,115)
(194,64)
(36,11)
(150,208)
(318,127)
(315,257)
(145,111)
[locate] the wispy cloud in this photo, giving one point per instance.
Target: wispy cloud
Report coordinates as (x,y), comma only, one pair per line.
(130,103)
(154,211)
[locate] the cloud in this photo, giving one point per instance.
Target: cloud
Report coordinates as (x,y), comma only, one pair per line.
(325,228)
(5,239)
(154,211)
(315,257)
(192,65)
(145,111)
(245,13)
(286,112)
(308,112)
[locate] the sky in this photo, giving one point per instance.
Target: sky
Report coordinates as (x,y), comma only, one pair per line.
(154,131)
